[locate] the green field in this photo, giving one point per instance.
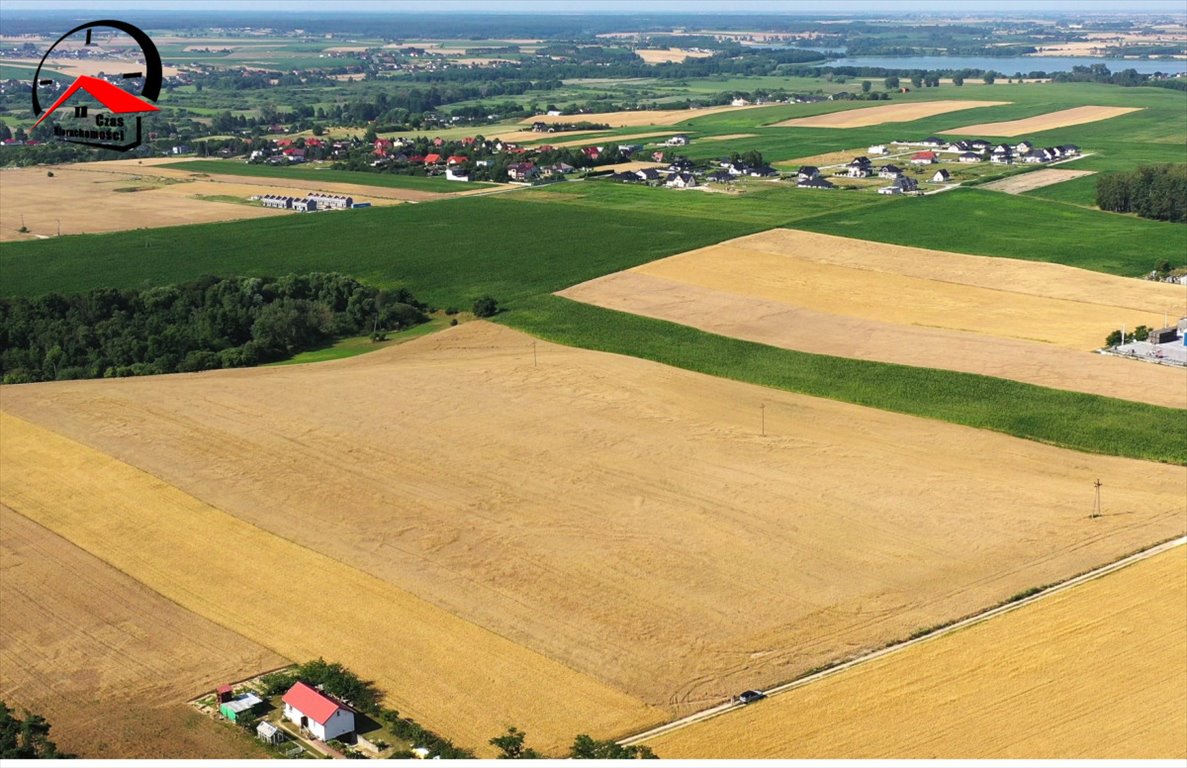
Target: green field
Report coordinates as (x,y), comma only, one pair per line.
(989,223)
(313,173)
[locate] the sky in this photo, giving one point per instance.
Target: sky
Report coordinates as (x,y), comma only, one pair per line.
(815,7)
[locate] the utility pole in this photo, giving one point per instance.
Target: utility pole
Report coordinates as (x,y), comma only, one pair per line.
(534,361)
(1096,503)
(762,407)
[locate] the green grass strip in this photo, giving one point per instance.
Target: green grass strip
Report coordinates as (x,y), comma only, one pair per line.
(1066,419)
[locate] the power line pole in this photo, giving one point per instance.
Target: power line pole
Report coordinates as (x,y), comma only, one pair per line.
(762,407)
(1096,503)
(534,361)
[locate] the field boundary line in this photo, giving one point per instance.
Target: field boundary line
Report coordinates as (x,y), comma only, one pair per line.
(1095,573)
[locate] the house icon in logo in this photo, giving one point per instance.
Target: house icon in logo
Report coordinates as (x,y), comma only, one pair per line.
(116,100)
(116,121)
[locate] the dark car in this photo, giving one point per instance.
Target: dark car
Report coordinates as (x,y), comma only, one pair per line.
(749,697)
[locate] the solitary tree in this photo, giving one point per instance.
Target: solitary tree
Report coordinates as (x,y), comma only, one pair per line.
(510,745)
(865,86)
(958,79)
(891,83)
(486,306)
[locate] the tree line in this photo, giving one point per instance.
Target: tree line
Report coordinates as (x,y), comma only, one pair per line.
(211,322)
(1150,191)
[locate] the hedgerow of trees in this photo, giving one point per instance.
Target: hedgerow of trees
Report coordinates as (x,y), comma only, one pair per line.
(511,747)
(1150,191)
(209,323)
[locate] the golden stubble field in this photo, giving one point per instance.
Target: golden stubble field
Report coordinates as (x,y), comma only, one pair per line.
(1028,321)
(1016,185)
(109,662)
(639,117)
(596,516)
(448,674)
(1096,671)
(87,197)
(1046,122)
(888,113)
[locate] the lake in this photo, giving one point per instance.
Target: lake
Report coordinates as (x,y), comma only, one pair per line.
(1009,65)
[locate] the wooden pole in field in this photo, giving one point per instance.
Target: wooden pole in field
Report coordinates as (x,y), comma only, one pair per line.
(762,407)
(1096,503)
(534,361)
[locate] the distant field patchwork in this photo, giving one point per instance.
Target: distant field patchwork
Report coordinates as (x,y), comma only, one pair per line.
(1026,321)
(1089,673)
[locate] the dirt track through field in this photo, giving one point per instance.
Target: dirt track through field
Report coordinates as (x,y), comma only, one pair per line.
(1020,320)
(1097,671)
(1047,122)
(446,673)
(107,661)
(592,508)
(1016,185)
(887,113)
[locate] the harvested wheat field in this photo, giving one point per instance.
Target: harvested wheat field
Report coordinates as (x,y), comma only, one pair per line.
(1016,185)
(30,199)
(888,113)
(1047,122)
(1028,321)
(1096,671)
(117,195)
(107,661)
(448,674)
(591,509)
(663,55)
(638,117)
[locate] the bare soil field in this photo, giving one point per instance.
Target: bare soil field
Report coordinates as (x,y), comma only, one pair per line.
(1016,185)
(1098,671)
(73,67)
(593,509)
(888,113)
(662,55)
(1021,320)
(633,165)
(641,117)
(117,195)
(1047,122)
(446,673)
(107,661)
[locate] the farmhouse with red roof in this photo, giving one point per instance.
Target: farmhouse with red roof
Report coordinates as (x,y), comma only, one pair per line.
(317,713)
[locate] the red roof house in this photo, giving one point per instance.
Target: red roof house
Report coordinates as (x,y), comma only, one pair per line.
(457,159)
(317,713)
(431,158)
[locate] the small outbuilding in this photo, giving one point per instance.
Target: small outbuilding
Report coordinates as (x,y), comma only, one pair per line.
(240,706)
(317,713)
(269,733)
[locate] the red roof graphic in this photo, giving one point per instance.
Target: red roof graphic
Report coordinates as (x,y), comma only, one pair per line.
(311,702)
(116,99)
